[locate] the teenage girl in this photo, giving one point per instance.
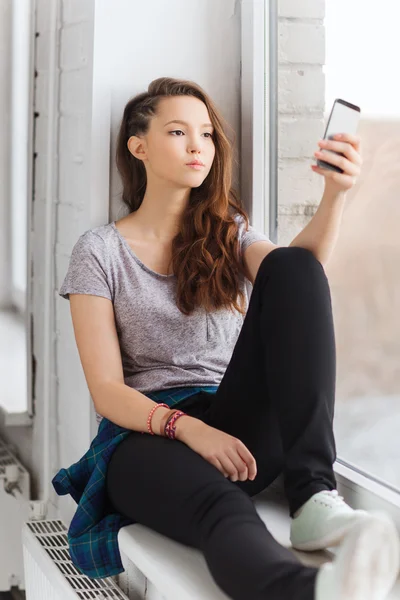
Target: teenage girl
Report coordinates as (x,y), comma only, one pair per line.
(210,352)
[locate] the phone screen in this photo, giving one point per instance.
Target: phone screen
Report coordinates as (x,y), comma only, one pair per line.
(344,118)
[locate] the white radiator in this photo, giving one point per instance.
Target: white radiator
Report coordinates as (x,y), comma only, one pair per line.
(49,571)
(14,511)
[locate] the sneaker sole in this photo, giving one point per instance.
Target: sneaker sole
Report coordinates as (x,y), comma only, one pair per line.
(369,559)
(329,541)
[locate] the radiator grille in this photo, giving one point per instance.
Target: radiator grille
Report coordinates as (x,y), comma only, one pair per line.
(52,537)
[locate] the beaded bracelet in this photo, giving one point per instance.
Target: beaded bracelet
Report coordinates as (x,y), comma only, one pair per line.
(149,429)
(170,427)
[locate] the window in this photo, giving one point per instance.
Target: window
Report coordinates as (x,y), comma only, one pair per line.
(14,318)
(364,271)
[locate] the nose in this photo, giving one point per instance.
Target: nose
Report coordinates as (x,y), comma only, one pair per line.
(195,148)
(196,145)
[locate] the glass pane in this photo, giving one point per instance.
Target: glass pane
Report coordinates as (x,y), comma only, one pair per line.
(15,369)
(364,271)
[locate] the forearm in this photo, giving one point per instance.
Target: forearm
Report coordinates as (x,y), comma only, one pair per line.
(321,233)
(129,408)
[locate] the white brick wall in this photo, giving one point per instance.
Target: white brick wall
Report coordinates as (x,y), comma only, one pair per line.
(306,9)
(301,100)
(72,218)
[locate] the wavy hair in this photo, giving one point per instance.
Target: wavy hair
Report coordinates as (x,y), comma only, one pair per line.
(205,251)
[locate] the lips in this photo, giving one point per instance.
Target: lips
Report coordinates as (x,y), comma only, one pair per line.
(196,163)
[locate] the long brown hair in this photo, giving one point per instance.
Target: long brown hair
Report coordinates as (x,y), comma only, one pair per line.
(205,251)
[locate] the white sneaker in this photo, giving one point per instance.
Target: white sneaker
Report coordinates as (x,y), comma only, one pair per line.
(324,521)
(366,565)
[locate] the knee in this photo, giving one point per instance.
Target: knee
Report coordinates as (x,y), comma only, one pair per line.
(289,258)
(225,501)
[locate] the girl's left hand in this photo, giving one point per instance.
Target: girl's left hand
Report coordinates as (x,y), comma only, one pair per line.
(351,162)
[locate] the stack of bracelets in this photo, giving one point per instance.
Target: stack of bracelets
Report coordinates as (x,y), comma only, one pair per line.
(167,425)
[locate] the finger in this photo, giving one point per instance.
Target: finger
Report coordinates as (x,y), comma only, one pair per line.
(340,178)
(344,148)
(241,466)
(217,464)
(327,172)
(220,468)
(228,466)
(340,161)
(353,139)
(249,459)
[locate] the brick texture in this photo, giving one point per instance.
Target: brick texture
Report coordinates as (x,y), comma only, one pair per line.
(301,101)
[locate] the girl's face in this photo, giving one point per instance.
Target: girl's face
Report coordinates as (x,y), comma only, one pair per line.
(170,145)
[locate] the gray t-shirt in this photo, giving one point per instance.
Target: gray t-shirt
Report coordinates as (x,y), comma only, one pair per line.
(160,347)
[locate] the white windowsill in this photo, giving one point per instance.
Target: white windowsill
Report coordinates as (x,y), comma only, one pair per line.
(361,491)
(157,557)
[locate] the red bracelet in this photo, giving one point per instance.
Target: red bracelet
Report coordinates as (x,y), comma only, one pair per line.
(149,429)
(170,427)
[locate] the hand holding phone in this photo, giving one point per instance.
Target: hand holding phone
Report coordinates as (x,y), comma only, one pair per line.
(344,118)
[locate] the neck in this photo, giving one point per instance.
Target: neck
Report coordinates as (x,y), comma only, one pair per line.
(160,214)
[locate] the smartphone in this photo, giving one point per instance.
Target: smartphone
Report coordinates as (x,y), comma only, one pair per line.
(344,118)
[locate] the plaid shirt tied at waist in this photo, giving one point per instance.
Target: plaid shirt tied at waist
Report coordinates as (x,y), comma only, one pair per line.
(93,531)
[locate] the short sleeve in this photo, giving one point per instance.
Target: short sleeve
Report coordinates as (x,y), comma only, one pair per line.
(246,238)
(87,271)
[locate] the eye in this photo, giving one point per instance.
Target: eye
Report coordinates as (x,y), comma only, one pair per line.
(176,131)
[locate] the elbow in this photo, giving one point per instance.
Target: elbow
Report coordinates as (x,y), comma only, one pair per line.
(98,394)
(103,391)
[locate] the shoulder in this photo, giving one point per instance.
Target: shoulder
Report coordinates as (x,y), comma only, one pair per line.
(247,233)
(96,239)
(89,269)
(93,246)
(101,232)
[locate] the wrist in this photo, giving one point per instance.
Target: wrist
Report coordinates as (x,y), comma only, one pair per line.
(185,425)
(157,418)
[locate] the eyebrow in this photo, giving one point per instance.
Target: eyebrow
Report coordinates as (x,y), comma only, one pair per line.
(184,123)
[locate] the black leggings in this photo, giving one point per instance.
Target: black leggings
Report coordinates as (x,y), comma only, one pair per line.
(277,396)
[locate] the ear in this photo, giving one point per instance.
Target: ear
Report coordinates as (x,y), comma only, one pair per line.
(136,147)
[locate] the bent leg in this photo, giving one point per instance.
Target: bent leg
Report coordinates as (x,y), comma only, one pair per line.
(277,394)
(166,486)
